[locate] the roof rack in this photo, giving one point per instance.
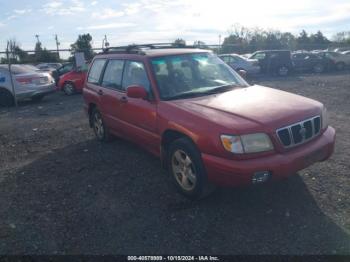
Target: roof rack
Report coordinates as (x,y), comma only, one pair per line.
(140,48)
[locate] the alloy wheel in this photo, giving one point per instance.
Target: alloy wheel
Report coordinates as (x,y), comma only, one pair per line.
(283,71)
(183,170)
(98,126)
(68,89)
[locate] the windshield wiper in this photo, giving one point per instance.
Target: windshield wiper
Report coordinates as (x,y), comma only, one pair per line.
(215,90)
(185,95)
(220,89)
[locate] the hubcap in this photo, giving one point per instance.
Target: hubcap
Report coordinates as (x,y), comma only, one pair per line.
(183,170)
(340,66)
(283,71)
(98,126)
(318,68)
(68,89)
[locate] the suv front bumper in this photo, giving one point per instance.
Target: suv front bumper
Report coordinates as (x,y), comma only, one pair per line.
(226,172)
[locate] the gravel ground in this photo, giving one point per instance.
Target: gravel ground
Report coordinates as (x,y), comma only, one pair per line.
(62,192)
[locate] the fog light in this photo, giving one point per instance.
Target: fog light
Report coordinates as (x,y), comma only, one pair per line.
(261,177)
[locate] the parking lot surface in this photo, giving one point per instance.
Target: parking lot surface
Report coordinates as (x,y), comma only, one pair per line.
(62,192)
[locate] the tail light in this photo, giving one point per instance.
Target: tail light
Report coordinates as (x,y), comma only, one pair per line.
(33,80)
(24,80)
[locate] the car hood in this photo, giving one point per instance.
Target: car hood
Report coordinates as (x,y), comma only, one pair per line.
(245,108)
(250,60)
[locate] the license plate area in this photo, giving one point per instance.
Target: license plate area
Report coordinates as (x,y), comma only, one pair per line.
(314,157)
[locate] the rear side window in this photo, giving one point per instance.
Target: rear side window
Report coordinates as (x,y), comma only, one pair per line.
(135,74)
(96,70)
(112,77)
(259,56)
(226,59)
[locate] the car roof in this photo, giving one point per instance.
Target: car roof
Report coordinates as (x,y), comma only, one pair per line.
(277,50)
(174,51)
(155,52)
(232,54)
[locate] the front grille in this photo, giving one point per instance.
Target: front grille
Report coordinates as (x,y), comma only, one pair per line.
(300,132)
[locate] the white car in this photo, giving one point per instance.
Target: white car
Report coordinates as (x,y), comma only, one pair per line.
(27,84)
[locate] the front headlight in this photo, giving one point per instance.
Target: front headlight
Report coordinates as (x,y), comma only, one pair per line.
(252,143)
(324,118)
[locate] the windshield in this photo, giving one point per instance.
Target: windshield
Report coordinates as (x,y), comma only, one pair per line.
(181,76)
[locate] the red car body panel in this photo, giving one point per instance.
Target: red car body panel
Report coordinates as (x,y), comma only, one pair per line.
(75,77)
(203,119)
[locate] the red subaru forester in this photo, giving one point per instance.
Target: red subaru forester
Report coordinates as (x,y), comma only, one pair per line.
(208,126)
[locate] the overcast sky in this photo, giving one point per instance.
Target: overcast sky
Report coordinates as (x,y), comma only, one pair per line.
(145,21)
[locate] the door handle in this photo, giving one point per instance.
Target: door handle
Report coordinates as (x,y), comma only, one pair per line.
(124,99)
(100,92)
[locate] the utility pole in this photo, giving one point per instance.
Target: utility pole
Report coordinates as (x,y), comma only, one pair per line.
(37,38)
(57,44)
(105,43)
(11,79)
(219,51)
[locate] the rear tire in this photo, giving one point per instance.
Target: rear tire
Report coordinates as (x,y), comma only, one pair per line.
(69,88)
(283,71)
(99,127)
(340,66)
(6,98)
(318,68)
(187,170)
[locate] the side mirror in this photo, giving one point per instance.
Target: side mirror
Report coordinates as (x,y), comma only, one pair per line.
(136,91)
(242,73)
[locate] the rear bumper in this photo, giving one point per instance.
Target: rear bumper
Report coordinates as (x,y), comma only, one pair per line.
(226,172)
(39,91)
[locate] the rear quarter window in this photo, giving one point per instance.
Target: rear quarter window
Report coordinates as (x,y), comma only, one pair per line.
(113,74)
(96,70)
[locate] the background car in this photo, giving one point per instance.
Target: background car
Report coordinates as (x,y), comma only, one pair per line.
(65,68)
(237,62)
(73,81)
(27,84)
(307,61)
(346,52)
(339,60)
(48,66)
(274,61)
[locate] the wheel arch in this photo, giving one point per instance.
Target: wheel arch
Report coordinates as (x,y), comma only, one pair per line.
(169,136)
(5,90)
(91,107)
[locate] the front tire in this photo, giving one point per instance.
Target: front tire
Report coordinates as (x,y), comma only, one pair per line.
(187,170)
(69,89)
(6,98)
(340,66)
(99,127)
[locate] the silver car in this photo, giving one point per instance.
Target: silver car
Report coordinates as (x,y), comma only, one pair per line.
(48,66)
(27,84)
(238,62)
